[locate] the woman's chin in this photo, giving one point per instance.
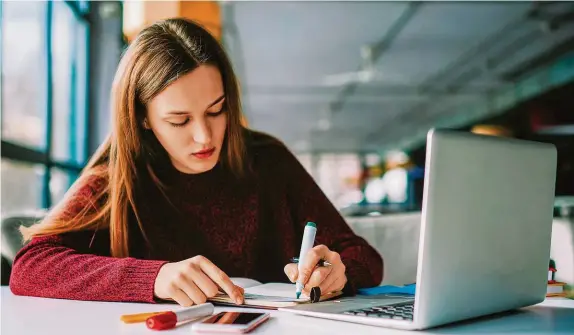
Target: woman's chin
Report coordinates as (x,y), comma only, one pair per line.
(195,165)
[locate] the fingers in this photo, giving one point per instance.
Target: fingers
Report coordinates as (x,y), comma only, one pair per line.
(318,276)
(333,257)
(334,277)
(313,257)
(193,281)
(241,290)
(221,279)
(338,285)
(203,282)
(180,297)
(327,278)
(310,261)
(331,278)
(291,271)
(187,285)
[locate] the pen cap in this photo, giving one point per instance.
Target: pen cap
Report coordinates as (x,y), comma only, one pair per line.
(315,294)
(309,234)
(311,224)
(162,321)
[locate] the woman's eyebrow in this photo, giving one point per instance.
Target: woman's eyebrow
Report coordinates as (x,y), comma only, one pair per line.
(216,101)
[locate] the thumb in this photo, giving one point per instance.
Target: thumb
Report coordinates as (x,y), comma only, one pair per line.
(291,271)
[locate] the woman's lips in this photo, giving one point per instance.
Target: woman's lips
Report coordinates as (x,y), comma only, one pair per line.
(204,154)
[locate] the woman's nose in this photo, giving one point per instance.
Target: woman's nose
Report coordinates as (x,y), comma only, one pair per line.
(201,132)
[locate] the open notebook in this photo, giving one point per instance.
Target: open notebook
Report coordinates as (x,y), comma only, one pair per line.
(270,295)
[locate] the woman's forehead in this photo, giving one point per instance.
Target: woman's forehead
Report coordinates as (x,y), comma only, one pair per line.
(194,91)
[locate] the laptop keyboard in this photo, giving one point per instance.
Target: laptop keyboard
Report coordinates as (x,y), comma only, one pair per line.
(396,312)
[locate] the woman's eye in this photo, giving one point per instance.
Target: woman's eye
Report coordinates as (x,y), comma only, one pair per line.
(214,114)
(180,124)
(187,119)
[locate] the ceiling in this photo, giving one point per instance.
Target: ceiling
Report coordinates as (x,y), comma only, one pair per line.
(421,65)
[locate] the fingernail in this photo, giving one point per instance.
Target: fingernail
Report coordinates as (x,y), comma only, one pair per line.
(238,296)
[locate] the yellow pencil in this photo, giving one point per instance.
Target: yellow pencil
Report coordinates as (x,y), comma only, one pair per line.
(140,317)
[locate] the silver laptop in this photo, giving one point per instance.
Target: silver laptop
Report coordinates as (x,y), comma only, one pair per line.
(484,239)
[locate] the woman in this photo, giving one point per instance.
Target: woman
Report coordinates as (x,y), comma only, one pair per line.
(181,196)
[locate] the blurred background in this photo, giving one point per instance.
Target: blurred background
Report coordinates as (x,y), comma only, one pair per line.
(351,88)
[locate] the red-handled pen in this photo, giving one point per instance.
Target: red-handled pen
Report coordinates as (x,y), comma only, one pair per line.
(168,320)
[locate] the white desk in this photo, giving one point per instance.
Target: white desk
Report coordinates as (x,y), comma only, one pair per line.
(25,315)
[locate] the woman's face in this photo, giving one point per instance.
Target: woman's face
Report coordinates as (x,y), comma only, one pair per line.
(189,121)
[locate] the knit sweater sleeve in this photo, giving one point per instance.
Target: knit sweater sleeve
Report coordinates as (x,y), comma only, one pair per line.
(364,265)
(77,266)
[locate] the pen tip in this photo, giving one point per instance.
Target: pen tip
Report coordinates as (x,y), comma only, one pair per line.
(298,294)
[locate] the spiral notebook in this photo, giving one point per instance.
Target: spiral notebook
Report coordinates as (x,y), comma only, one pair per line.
(269,295)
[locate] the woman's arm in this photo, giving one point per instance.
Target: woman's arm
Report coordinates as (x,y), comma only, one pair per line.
(364,265)
(77,265)
(46,267)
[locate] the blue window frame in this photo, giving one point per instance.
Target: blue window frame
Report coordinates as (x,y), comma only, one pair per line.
(44,50)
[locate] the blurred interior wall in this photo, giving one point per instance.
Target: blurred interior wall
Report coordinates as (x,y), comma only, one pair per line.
(138,14)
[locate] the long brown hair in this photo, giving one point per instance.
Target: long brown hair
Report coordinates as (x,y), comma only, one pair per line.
(159,55)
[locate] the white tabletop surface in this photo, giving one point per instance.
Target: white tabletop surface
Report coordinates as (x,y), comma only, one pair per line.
(27,315)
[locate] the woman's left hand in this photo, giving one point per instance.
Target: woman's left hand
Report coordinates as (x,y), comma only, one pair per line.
(329,278)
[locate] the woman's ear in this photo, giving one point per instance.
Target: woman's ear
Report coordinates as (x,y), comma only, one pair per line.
(146,124)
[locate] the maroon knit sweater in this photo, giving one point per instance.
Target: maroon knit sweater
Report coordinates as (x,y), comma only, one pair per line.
(248,227)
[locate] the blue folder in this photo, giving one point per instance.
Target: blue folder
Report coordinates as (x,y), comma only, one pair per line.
(388,289)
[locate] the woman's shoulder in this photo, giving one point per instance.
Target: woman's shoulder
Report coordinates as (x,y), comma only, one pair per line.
(92,180)
(266,149)
(90,189)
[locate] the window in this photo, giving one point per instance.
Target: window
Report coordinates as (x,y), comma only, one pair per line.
(44,64)
(59,183)
(62,40)
(83,5)
(24,73)
(79,151)
(68,84)
(21,186)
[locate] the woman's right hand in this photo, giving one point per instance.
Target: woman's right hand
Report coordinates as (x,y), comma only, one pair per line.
(192,281)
